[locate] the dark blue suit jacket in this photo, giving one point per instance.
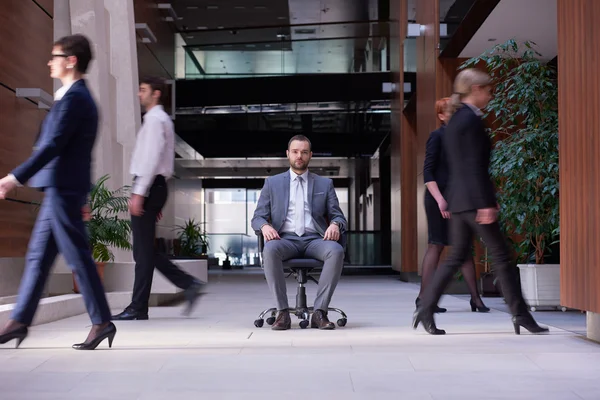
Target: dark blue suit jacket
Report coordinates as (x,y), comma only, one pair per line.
(62,155)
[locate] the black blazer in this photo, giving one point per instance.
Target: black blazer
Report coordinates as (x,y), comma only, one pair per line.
(468,148)
(435,167)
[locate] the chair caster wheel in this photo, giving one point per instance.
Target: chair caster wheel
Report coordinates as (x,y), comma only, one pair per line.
(342,322)
(271,320)
(304,324)
(259,323)
(533,309)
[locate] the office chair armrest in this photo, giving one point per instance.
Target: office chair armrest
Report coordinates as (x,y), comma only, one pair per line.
(261,241)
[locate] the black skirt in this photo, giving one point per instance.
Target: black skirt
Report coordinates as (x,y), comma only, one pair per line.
(437,226)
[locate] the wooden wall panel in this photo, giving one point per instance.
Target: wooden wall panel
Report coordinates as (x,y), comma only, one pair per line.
(23,25)
(427,64)
(47,5)
(155,58)
(26,34)
(398,30)
(579,151)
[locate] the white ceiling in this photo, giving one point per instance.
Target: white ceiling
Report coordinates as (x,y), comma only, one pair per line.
(533,20)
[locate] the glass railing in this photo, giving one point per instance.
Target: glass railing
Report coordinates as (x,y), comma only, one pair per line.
(273,51)
(362,249)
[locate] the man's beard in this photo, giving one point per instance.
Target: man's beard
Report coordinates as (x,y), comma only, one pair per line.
(303,166)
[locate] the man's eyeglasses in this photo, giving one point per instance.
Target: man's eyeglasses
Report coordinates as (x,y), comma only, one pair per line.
(59,55)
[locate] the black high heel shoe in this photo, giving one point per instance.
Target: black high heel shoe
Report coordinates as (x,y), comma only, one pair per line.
(19,334)
(474,307)
(428,323)
(108,332)
(436,310)
(528,323)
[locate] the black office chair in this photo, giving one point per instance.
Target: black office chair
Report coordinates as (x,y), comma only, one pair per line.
(300,268)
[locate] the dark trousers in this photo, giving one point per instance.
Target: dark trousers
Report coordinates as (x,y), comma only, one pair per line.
(60,228)
(145,255)
(462,228)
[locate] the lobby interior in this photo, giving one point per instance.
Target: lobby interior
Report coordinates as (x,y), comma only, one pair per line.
(360,78)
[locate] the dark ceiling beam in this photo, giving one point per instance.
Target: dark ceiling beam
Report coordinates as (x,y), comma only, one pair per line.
(246,28)
(474,19)
(297,88)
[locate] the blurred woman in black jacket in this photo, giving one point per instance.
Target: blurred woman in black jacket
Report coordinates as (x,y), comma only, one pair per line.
(435,176)
(472,201)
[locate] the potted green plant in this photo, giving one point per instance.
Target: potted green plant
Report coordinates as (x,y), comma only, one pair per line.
(105,227)
(525,159)
(228,252)
(193,241)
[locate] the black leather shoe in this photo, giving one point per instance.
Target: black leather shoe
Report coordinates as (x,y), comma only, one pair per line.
(527,322)
(192,294)
(319,320)
(108,332)
(426,319)
(18,334)
(129,315)
(283,321)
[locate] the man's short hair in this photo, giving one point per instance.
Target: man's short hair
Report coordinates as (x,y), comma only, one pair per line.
(300,138)
(78,46)
(155,84)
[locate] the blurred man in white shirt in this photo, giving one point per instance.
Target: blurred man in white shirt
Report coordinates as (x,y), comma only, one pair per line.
(151,165)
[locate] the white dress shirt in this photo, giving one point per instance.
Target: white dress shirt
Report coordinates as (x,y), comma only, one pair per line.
(63,90)
(154,151)
(289,225)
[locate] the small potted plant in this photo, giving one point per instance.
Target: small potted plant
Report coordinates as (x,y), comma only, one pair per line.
(192,240)
(228,252)
(105,227)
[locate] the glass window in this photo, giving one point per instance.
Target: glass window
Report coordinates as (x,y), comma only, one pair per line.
(225,210)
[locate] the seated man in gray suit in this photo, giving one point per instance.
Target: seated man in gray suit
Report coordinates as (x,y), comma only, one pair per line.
(299,216)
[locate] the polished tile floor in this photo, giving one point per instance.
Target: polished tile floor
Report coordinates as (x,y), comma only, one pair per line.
(219,354)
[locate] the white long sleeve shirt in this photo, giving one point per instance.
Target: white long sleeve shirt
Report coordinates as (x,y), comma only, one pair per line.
(154,151)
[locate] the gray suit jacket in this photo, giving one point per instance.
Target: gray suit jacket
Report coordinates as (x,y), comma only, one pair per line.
(273,203)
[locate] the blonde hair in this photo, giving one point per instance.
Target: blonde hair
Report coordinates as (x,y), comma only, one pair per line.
(464,82)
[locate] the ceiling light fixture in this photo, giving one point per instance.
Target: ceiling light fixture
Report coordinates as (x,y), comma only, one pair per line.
(212,7)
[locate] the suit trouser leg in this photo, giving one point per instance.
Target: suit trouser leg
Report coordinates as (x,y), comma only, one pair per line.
(145,254)
(332,255)
(503,267)
(461,238)
(274,253)
(72,241)
(41,253)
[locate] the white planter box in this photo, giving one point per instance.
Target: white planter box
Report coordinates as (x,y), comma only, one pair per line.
(541,285)
(118,277)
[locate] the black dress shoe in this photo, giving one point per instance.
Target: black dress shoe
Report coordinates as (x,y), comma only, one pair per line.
(128,315)
(108,332)
(319,320)
(527,322)
(19,334)
(192,294)
(426,319)
(475,307)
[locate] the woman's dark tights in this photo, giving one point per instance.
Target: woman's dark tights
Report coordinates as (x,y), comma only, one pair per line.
(430,263)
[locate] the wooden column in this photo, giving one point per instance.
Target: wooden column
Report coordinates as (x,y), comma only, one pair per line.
(398,30)
(579,152)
